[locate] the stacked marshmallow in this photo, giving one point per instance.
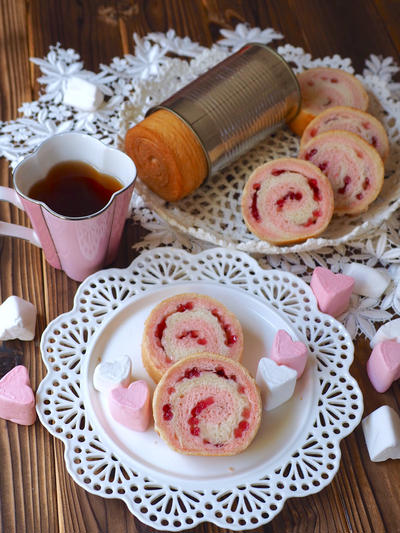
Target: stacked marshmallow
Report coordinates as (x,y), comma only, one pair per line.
(129,401)
(277,375)
(17,400)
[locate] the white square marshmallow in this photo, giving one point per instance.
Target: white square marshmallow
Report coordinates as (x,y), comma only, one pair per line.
(17,319)
(382,434)
(82,94)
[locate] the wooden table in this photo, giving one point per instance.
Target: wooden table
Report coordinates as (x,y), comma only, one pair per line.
(36,492)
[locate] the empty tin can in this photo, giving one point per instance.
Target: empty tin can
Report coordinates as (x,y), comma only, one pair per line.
(237,103)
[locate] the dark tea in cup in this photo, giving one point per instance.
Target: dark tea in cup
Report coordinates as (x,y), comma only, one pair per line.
(75,189)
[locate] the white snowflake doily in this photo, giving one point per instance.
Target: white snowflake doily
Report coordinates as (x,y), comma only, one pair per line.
(132,83)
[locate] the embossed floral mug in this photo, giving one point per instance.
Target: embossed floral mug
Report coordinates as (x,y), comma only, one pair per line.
(79,245)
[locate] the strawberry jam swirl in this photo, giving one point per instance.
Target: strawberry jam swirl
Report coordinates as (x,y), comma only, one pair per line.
(353,167)
(290,196)
(213,419)
(197,328)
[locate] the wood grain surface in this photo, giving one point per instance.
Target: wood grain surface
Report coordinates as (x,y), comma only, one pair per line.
(36,493)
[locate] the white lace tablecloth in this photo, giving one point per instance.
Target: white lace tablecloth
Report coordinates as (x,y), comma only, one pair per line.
(134,81)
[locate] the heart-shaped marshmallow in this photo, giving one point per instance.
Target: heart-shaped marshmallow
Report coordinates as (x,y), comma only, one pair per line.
(108,375)
(17,401)
(368,281)
(382,434)
(387,332)
(131,406)
(276,383)
(332,291)
(383,365)
(290,353)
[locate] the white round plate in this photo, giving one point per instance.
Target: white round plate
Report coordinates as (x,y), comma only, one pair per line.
(122,334)
(296,451)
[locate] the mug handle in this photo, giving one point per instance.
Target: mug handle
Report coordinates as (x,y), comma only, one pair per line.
(15,230)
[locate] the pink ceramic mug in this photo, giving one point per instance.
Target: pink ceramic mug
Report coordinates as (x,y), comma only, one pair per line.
(79,246)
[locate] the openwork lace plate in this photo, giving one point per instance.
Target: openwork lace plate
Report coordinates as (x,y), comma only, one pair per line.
(246,498)
(212,213)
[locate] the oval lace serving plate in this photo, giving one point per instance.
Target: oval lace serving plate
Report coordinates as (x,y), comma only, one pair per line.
(167,490)
(212,213)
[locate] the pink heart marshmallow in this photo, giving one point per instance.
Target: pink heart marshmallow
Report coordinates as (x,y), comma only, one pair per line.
(383,366)
(332,291)
(290,353)
(17,401)
(130,406)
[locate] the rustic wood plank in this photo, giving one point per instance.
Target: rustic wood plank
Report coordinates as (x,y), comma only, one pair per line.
(24,481)
(36,492)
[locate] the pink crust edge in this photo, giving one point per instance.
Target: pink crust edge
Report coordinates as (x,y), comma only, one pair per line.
(348,113)
(156,354)
(207,362)
(294,165)
(343,138)
(352,81)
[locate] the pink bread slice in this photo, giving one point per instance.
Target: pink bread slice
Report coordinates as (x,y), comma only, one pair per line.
(349,119)
(185,324)
(353,167)
(286,201)
(207,404)
(325,87)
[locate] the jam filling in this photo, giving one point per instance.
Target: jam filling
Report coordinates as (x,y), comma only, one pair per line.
(313,184)
(297,196)
(347,181)
(193,334)
(195,412)
(366,184)
(194,421)
(230,337)
(374,141)
(359,196)
(313,219)
(188,306)
(242,427)
(323,166)
(254,208)
(277,172)
(167,412)
(311,154)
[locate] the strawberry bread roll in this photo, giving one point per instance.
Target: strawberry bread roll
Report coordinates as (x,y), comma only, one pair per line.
(349,119)
(207,404)
(354,168)
(186,324)
(325,87)
(286,201)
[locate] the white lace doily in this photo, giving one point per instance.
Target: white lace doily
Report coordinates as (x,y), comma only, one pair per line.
(306,463)
(135,82)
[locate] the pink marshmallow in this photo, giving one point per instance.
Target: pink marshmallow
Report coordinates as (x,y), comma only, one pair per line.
(131,406)
(383,366)
(286,352)
(17,401)
(332,291)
